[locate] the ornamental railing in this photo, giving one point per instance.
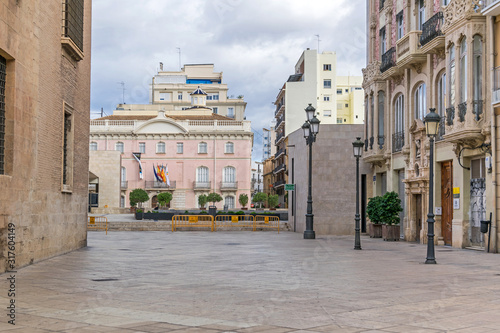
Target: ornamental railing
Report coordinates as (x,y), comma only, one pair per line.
(432,28)
(156,184)
(380,141)
(462,110)
(388,59)
(477,109)
(441,129)
(398,141)
(450,115)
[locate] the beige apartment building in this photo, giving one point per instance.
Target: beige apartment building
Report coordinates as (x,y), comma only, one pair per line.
(44,127)
(432,54)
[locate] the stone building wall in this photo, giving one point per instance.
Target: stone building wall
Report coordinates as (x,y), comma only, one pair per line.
(43,82)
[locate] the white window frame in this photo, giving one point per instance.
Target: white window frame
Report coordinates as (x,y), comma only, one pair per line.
(215,110)
(399,112)
(142,147)
(327,67)
(229,148)
(202,174)
(93,146)
(179,96)
(327,84)
(119,146)
(421,14)
(326,98)
(420,102)
(400,25)
(230,202)
(230,112)
(327,113)
(463,70)
(202,148)
(229,174)
(180,148)
(339,91)
(441,95)
(161,148)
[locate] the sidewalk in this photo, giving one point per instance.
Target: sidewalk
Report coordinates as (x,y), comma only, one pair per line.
(254,282)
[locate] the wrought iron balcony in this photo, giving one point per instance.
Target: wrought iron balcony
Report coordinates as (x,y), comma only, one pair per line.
(159,185)
(279,122)
(279,137)
(388,59)
(462,110)
(280,107)
(398,141)
(477,109)
(279,183)
(432,28)
(124,185)
(450,115)
(381,4)
(280,152)
(228,186)
(280,168)
(441,130)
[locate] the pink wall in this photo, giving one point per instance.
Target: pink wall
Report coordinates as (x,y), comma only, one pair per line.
(182,167)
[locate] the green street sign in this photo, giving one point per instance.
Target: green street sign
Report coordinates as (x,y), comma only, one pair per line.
(289,187)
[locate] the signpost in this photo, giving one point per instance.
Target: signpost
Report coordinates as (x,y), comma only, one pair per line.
(289,187)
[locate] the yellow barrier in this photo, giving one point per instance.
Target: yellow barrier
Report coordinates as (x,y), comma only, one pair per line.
(271,222)
(242,221)
(97,223)
(196,221)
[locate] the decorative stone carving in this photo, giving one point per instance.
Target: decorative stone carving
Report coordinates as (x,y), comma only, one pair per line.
(398,79)
(371,72)
(417,67)
(460,9)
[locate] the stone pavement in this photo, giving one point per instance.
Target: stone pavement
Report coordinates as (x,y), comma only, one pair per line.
(254,282)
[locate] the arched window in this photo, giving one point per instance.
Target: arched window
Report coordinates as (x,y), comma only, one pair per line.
(229,149)
(441,104)
(123,178)
(229,174)
(463,71)
(381,109)
(160,148)
(398,136)
(119,147)
(452,90)
(477,76)
(420,102)
(229,202)
(366,123)
(421,14)
(202,175)
(202,148)
(93,145)
(372,107)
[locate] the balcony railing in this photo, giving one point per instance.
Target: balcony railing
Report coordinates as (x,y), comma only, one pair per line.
(278,108)
(432,28)
(155,185)
(398,141)
(388,59)
(279,183)
(477,109)
(279,122)
(124,185)
(441,130)
(380,141)
(280,168)
(279,137)
(450,115)
(462,110)
(381,4)
(279,152)
(228,186)
(202,185)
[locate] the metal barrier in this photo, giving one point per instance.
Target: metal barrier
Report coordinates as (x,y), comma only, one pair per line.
(241,221)
(271,222)
(97,223)
(193,221)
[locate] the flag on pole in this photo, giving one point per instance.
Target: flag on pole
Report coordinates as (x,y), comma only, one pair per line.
(158,171)
(156,174)
(163,174)
(137,157)
(166,175)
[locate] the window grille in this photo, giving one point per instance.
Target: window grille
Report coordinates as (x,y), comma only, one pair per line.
(73,21)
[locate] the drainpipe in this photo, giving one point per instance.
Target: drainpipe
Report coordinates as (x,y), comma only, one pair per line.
(496,190)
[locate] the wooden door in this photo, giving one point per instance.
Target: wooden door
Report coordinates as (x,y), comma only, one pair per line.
(446,201)
(418,217)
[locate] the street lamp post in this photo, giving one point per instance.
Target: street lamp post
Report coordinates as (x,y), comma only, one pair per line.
(357,150)
(431,126)
(311,129)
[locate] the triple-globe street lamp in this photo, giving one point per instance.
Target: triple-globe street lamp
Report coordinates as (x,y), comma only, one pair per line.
(431,127)
(311,129)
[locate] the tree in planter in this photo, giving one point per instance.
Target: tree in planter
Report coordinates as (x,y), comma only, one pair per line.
(164,198)
(213,198)
(374,209)
(202,201)
(243,199)
(273,200)
(259,198)
(137,197)
(390,208)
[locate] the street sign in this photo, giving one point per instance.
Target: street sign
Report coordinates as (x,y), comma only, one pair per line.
(289,187)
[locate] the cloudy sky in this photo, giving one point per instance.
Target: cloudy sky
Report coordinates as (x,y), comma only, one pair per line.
(254,43)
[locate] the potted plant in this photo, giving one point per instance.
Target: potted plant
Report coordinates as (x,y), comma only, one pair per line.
(243,199)
(202,201)
(391,207)
(137,197)
(272,201)
(213,198)
(259,198)
(374,210)
(164,198)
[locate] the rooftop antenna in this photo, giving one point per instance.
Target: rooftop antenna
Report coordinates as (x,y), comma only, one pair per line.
(319,40)
(179,51)
(123,91)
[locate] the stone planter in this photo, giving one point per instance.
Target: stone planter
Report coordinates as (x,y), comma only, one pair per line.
(158,216)
(375,230)
(139,216)
(390,232)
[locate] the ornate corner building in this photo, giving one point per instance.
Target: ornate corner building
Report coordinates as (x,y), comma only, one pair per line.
(426,54)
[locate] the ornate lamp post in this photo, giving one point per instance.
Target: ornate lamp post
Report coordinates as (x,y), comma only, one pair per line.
(357,150)
(431,127)
(311,129)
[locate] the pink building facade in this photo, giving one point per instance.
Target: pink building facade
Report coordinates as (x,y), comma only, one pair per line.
(203,153)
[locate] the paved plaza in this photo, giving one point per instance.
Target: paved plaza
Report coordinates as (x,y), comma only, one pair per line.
(254,282)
